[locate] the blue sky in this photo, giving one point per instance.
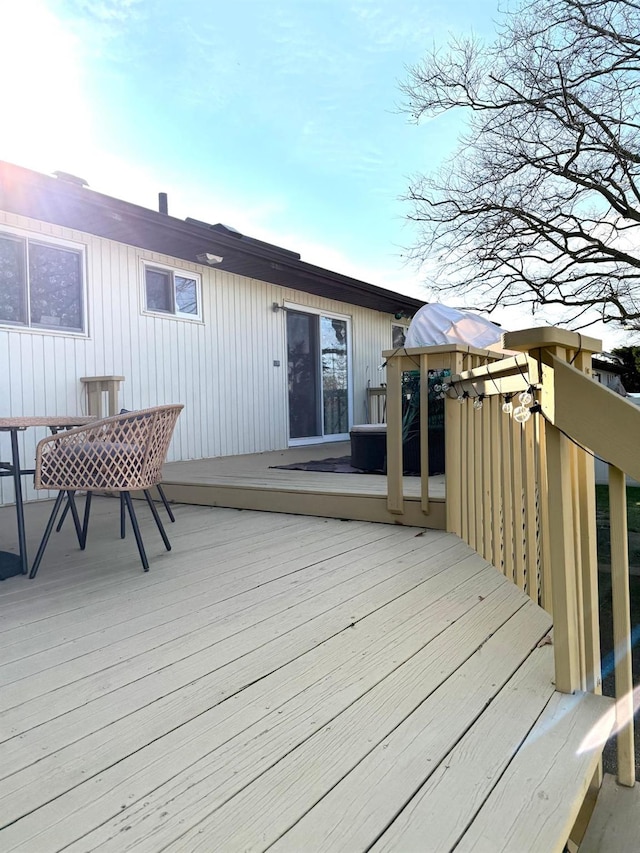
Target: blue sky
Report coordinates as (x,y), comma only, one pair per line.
(277,117)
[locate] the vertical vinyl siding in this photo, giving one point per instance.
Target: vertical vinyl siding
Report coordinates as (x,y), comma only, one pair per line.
(221,369)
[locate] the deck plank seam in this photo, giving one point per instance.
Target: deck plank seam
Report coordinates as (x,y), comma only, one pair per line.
(496,779)
(360,697)
(263,676)
(339,581)
(387,732)
(368,614)
(246,568)
(147,583)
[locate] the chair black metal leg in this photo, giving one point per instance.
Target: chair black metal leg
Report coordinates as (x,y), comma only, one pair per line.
(122,517)
(156,517)
(164,500)
(71,504)
(47,534)
(136,530)
(85,520)
(62,517)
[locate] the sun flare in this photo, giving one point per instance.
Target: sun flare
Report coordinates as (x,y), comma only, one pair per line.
(46,117)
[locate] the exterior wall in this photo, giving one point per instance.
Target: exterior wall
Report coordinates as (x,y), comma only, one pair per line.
(609,379)
(222,369)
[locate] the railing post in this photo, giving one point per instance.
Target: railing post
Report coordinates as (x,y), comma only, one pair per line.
(569,530)
(395,496)
(589,555)
(563,587)
(424,432)
(621,625)
(453,440)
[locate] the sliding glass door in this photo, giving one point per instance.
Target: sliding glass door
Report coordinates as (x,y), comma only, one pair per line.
(318,355)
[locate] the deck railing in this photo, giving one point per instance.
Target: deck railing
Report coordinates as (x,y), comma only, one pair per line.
(520,486)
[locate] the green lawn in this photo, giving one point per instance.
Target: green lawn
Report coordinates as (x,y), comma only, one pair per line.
(633,507)
(633,525)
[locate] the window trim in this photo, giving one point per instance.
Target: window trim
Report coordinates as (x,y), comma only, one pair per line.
(32,237)
(174,271)
(399,325)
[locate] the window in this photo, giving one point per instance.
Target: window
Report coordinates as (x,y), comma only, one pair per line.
(41,284)
(398,335)
(170,291)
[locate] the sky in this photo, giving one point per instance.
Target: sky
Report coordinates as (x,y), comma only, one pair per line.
(280,118)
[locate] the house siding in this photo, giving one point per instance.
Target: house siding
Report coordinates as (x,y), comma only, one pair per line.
(222,369)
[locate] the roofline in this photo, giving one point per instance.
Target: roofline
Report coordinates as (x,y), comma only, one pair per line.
(270,264)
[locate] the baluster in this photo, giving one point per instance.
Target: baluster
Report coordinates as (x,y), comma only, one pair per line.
(621,625)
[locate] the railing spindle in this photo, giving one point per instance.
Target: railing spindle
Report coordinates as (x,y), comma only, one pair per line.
(564,594)
(495,502)
(424,432)
(517,512)
(487,541)
(530,520)
(507,503)
(543,511)
(471,475)
(453,459)
(395,496)
(621,625)
(478,495)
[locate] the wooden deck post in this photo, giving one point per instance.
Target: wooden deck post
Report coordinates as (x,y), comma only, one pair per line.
(621,625)
(563,581)
(569,529)
(424,432)
(453,440)
(589,555)
(395,496)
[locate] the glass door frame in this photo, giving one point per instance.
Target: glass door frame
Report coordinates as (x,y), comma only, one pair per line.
(333,315)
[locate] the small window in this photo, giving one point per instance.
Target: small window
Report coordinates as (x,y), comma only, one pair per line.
(172,292)
(41,284)
(398,336)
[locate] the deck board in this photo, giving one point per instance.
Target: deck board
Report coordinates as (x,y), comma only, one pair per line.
(615,822)
(544,769)
(380,784)
(252,482)
(315,674)
(323,687)
(460,785)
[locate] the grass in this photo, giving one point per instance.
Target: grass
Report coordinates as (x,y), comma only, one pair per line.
(633,525)
(633,507)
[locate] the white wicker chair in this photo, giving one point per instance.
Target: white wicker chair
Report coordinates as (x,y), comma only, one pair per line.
(123,453)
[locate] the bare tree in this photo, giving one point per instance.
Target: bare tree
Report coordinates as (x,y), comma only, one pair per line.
(541,203)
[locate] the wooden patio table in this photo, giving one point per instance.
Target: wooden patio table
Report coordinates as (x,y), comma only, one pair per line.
(10,563)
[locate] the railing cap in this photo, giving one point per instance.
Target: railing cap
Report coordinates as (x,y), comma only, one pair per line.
(440,348)
(525,340)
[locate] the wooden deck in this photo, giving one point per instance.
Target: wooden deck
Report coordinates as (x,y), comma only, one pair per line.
(252,482)
(279,682)
(614,827)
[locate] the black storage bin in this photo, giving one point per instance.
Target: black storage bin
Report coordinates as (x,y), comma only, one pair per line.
(411,452)
(369,447)
(369,441)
